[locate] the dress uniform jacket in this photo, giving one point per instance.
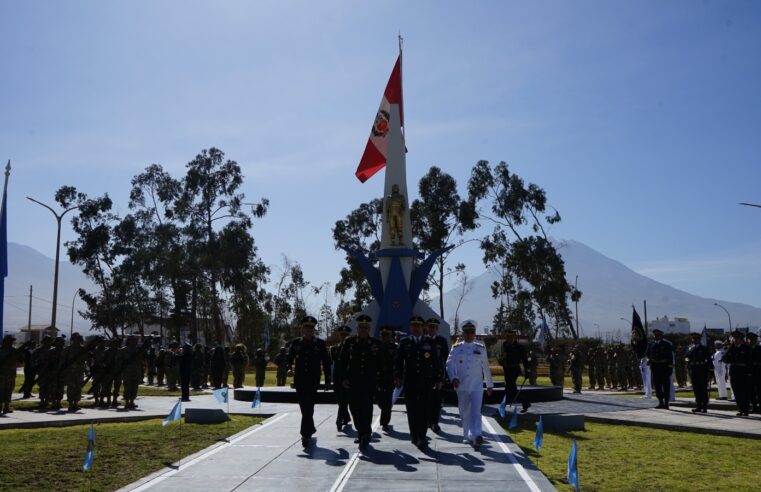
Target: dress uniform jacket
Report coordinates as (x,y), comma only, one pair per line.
(699,366)
(469,364)
(417,365)
(361,365)
(307,358)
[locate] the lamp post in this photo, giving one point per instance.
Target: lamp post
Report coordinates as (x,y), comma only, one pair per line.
(728,316)
(58,218)
(627,321)
(71,327)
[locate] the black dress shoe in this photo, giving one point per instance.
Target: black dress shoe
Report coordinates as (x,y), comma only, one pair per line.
(435,428)
(696,410)
(356,441)
(305,442)
(385,427)
(705,410)
(339,426)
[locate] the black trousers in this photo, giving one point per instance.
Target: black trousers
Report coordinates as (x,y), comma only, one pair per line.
(29,376)
(511,386)
(342,395)
(755,388)
(361,406)
(699,378)
(307,397)
(741,388)
(383,399)
(417,401)
(185,385)
(434,412)
(661,378)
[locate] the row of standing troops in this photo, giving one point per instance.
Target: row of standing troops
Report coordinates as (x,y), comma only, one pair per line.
(365,370)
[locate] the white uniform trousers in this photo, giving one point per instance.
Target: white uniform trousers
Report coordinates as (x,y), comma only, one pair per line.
(647,383)
(469,403)
(720,372)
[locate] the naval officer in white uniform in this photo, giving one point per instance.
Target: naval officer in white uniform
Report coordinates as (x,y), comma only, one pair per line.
(468,368)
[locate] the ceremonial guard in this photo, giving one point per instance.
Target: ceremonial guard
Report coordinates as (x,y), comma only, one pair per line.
(131,364)
(660,355)
(418,368)
(30,371)
(281,361)
(591,367)
(720,370)
(239,360)
(9,358)
(600,367)
(468,368)
(755,374)
(386,384)
(442,351)
(72,369)
(513,356)
(740,360)
(361,365)
(342,396)
(699,365)
(308,359)
(576,365)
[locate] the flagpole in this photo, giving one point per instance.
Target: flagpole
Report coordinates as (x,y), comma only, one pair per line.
(4,259)
(179,448)
(401,78)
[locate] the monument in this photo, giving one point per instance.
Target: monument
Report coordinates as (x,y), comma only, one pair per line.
(397,281)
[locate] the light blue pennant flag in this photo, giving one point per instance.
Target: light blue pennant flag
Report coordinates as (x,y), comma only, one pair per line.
(573,472)
(502,406)
(90,454)
(513,420)
(221,395)
(175,414)
(539,435)
(257,399)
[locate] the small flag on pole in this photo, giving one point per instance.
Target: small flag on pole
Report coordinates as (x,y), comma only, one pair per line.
(573,472)
(513,420)
(257,399)
(502,406)
(395,395)
(175,414)
(266,335)
(539,435)
(221,395)
(90,454)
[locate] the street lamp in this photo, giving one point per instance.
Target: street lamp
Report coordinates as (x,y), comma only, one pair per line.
(627,321)
(728,316)
(71,328)
(58,218)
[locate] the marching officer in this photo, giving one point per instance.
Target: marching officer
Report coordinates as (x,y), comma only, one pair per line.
(386,384)
(660,356)
(442,347)
(699,365)
(468,368)
(513,355)
(342,396)
(417,366)
(307,355)
(755,373)
(360,365)
(740,360)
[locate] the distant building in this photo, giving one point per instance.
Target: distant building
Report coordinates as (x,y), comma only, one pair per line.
(35,332)
(666,325)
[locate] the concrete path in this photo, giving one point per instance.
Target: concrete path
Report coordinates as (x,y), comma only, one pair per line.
(270,457)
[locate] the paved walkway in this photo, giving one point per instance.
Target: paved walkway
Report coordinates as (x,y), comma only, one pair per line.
(270,457)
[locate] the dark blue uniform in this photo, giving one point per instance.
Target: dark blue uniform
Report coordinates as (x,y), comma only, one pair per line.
(442,351)
(740,360)
(361,366)
(513,355)
(699,366)
(342,395)
(386,384)
(417,365)
(660,356)
(306,358)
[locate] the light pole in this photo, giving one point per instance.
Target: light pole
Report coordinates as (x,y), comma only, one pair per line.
(58,218)
(728,316)
(71,328)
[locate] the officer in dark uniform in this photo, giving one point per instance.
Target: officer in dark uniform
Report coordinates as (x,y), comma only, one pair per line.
(307,355)
(755,373)
(360,365)
(699,366)
(660,356)
(442,351)
(342,396)
(576,365)
(417,366)
(186,369)
(513,355)
(386,384)
(740,360)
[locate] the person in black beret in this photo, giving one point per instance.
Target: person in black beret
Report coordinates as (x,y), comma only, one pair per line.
(308,359)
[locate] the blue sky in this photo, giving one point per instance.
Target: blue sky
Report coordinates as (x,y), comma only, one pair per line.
(641,120)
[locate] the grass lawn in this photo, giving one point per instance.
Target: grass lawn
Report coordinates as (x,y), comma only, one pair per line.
(627,458)
(124,452)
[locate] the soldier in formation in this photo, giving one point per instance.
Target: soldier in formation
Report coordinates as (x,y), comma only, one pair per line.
(575,366)
(442,352)
(260,367)
(680,368)
(361,366)
(740,359)
(601,368)
(417,368)
(386,384)
(342,397)
(699,365)
(660,355)
(308,359)
(533,365)
(239,360)
(755,373)
(591,365)
(557,367)
(281,361)
(10,356)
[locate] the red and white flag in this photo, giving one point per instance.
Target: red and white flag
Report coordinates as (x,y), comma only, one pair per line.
(374,158)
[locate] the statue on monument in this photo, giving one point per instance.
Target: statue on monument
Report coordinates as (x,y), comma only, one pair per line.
(394,205)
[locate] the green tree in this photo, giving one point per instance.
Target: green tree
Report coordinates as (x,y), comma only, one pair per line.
(534,272)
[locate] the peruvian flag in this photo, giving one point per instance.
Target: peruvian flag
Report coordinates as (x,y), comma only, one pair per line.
(374,158)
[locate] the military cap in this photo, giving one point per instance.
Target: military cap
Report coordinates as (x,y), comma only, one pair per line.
(308,321)
(657,332)
(696,334)
(343,329)
(469,325)
(363,318)
(417,320)
(433,321)
(386,329)
(718,342)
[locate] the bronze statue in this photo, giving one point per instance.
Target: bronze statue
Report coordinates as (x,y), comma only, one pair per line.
(394,204)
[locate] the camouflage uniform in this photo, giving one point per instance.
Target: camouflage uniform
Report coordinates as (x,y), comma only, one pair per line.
(9,358)
(600,367)
(53,374)
(591,360)
(612,374)
(131,359)
(72,370)
(172,367)
(623,364)
(239,360)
